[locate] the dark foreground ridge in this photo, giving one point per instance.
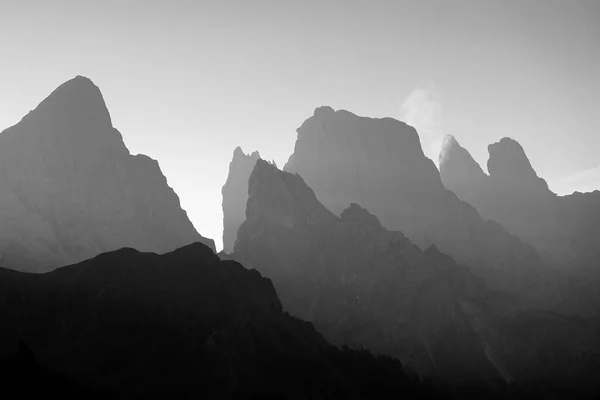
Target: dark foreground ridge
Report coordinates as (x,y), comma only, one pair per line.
(184,324)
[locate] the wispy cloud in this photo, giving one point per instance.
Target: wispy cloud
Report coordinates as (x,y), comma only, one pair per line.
(423,108)
(586,180)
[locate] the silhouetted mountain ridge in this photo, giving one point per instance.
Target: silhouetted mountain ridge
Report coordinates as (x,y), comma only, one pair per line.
(364,286)
(564,229)
(379,164)
(179,325)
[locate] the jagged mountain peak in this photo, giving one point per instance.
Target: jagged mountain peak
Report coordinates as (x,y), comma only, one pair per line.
(235,195)
(356,213)
(457,163)
(388,126)
(283,197)
(512,194)
(378,163)
(70,189)
(507,160)
(359,147)
(450,146)
(239,153)
(78,100)
(73,118)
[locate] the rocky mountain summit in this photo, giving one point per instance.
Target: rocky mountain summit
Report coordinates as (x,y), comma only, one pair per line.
(70,189)
(362,285)
(564,229)
(379,165)
(404,190)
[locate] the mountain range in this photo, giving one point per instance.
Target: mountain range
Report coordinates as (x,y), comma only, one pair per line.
(364,286)
(379,165)
(564,229)
(357,271)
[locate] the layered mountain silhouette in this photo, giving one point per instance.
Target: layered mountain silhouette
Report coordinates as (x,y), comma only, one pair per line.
(380,257)
(365,286)
(564,229)
(379,164)
(70,189)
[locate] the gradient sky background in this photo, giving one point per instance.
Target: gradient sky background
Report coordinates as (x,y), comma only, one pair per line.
(188,81)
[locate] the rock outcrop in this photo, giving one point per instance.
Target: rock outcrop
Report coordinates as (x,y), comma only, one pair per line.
(379,164)
(563,229)
(365,286)
(70,189)
(459,171)
(235,195)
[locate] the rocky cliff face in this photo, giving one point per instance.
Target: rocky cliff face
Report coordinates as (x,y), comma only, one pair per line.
(70,189)
(561,228)
(365,286)
(235,195)
(379,164)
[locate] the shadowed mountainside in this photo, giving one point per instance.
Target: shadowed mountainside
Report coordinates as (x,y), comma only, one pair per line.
(182,323)
(187,325)
(70,189)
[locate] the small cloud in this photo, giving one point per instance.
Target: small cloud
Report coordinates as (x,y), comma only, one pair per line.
(423,109)
(586,180)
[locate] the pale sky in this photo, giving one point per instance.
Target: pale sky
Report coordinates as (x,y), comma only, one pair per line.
(188,81)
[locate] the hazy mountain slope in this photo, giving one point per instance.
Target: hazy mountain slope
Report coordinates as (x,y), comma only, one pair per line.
(564,229)
(70,189)
(379,164)
(362,285)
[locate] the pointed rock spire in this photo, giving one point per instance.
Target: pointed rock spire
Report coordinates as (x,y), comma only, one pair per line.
(235,195)
(457,165)
(283,197)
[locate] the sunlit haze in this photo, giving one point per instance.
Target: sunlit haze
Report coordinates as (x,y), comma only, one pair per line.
(188,81)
